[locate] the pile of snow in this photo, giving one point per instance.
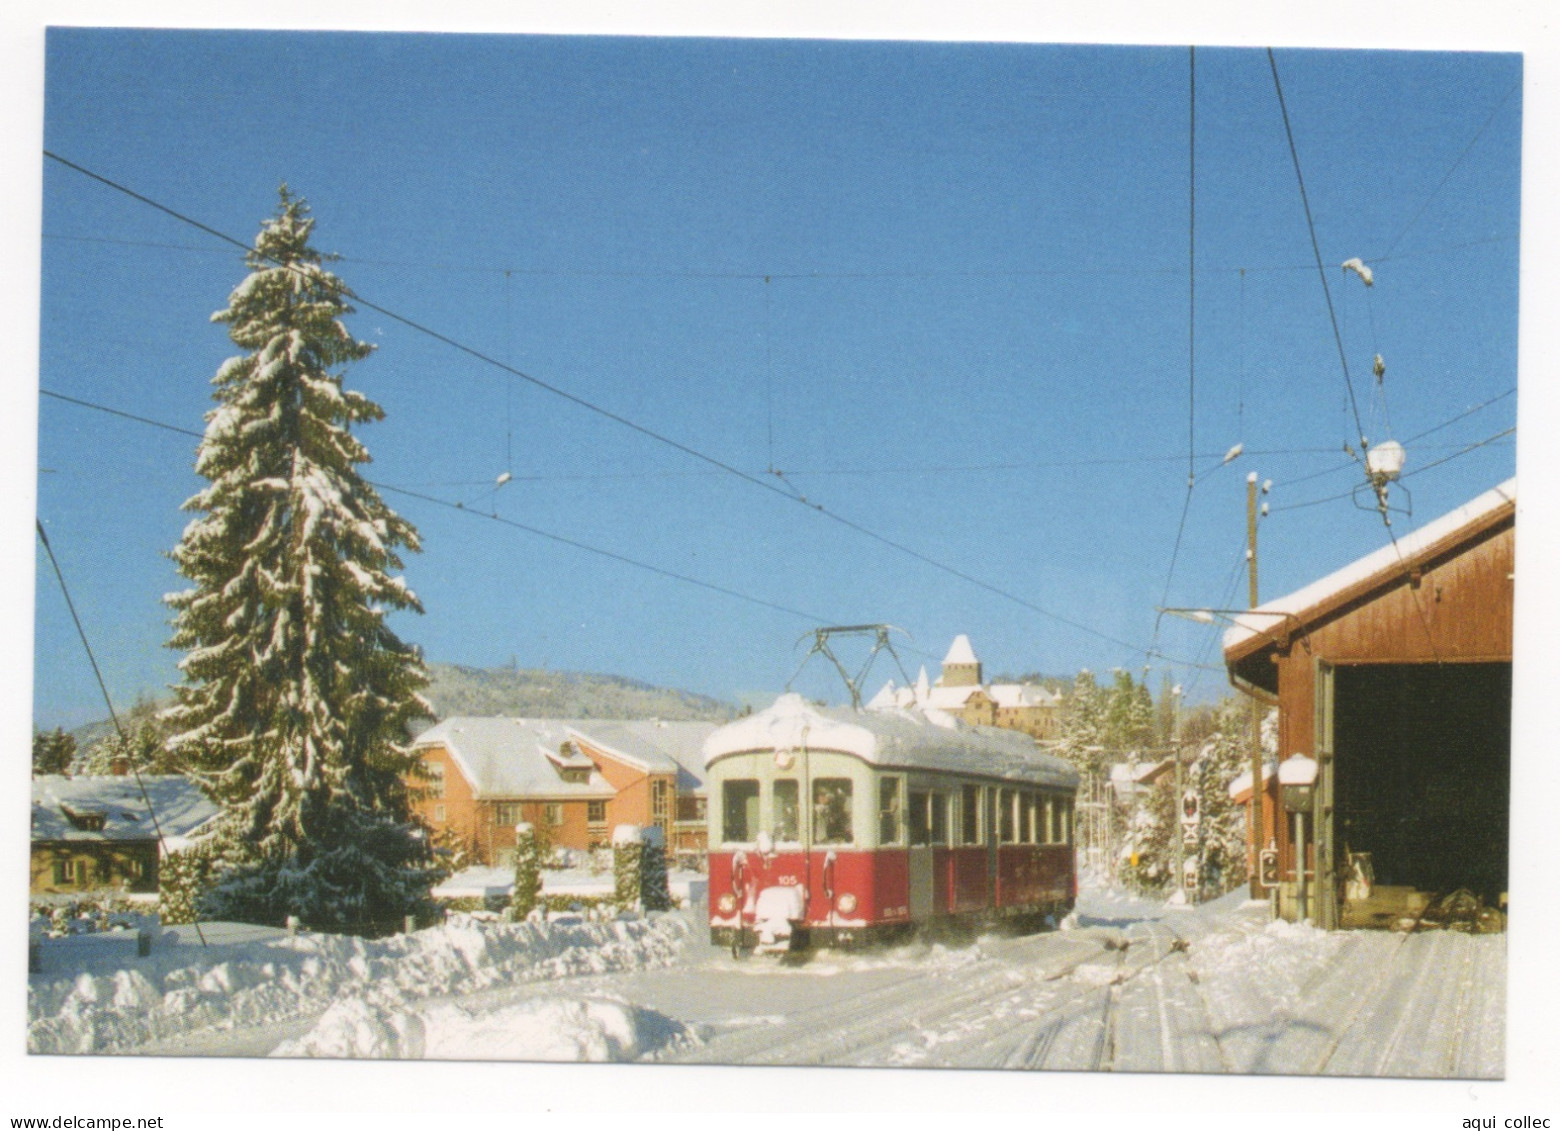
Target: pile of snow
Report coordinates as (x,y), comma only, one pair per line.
(598,1029)
(179,989)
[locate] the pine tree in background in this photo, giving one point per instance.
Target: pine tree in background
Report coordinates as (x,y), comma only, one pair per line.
(143,747)
(52,751)
(1082,727)
(296,693)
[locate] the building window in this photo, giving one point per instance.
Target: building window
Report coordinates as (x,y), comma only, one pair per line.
(660,801)
(435,770)
(507,813)
(691,808)
(596,812)
(555,813)
(438,813)
(62,871)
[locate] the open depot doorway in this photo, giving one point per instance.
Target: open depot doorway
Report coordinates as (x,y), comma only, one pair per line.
(1423,774)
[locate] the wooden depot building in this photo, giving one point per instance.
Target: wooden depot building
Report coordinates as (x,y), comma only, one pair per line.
(1392,675)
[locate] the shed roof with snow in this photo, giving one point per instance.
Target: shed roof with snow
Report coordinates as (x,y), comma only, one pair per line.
(1433,591)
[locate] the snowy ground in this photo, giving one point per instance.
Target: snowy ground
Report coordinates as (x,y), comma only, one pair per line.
(1133,987)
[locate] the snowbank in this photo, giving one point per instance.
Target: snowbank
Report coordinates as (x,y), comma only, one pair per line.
(181,988)
(556,1029)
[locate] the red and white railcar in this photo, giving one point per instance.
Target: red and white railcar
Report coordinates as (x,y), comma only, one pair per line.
(831,826)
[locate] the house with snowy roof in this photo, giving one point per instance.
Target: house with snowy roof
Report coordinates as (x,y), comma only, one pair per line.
(1027,707)
(573,780)
(102,833)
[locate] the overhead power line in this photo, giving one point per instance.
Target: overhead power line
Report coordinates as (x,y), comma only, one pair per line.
(1316,250)
(456,506)
(618,418)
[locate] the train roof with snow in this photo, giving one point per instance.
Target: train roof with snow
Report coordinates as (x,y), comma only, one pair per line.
(904,738)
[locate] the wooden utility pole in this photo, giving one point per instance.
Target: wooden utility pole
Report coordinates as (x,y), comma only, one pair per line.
(1256,704)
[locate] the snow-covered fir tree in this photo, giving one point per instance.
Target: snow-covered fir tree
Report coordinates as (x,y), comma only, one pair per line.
(1082,725)
(296,696)
(527,892)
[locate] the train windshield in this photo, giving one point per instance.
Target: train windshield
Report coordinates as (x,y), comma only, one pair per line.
(739,810)
(787,808)
(832,811)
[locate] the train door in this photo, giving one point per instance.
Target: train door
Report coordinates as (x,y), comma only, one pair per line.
(923,880)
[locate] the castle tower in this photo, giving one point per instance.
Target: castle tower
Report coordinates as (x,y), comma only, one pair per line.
(960,668)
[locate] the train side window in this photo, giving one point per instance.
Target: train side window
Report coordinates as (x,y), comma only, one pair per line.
(832,798)
(739,810)
(1058,819)
(1007,832)
(1030,832)
(787,809)
(1067,821)
(890,810)
(939,807)
(969,812)
(920,819)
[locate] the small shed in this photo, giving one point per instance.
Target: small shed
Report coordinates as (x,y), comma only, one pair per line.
(1394,675)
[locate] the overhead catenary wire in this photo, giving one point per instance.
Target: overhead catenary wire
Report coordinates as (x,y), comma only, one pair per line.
(809,276)
(626,422)
(1191,336)
(1464,450)
(1310,223)
(463,509)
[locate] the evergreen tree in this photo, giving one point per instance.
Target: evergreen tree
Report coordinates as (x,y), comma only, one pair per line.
(1129,717)
(1082,726)
(296,693)
(52,751)
(528,873)
(143,747)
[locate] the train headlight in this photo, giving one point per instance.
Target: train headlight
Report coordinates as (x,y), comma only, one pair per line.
(846,903)
(727,903)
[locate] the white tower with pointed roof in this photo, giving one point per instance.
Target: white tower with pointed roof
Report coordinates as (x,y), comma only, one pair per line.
(960,668)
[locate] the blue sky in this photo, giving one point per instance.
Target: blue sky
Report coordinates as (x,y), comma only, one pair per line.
(942,287)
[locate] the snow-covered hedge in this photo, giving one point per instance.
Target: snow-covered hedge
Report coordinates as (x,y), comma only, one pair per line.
(180,989)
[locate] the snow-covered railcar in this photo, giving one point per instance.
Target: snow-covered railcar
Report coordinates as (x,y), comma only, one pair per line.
(911,819)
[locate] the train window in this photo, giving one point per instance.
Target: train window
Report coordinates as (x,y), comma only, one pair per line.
(1007,831)
(1027,826)
(739,810)
(920,819)
(787,809)
(1067,821)
(969,812)
(1058,835)
(939,807)
(890,806)
(831,811)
